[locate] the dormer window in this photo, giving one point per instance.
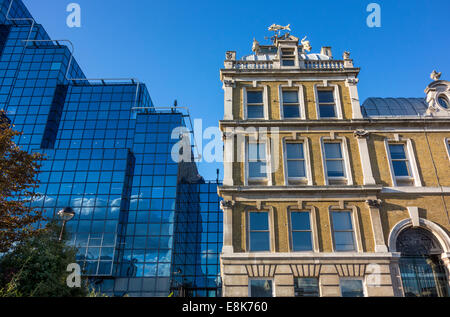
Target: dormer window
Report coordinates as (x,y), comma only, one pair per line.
(288,57)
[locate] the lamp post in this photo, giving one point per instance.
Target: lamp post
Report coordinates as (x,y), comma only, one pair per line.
(65,214)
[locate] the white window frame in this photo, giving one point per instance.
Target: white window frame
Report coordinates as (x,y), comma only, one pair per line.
(265,92)
(355,225)
(409,152)
(301,100)
(261,279)
(270,215)
(280,54)
(311,225)
(310,277)
(352,278)
(268,177)
(307,180)
(348,178)
(337,100)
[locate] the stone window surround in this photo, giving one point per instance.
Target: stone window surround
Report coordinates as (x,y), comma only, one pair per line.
(337,99)
(345,156)
(313,223)
(307,156)
(271,213)
(266,140)
(363,280)
(256,87)
(264,279)
(447,146)
(410,156)
(301,100)
(356,228)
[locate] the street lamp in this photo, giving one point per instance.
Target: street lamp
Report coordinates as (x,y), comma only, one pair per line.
(65,214)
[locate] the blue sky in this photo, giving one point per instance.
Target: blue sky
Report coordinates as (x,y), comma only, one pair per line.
(177,47)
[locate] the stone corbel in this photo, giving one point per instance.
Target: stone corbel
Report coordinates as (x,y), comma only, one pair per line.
(361,134)
(229,83)
(374,203)
(227,204)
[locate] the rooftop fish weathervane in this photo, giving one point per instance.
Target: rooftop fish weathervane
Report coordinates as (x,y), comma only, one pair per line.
(279,28)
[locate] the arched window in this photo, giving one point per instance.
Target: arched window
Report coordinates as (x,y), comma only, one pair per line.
(422,271)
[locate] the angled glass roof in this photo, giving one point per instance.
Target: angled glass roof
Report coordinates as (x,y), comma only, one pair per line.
(394,107)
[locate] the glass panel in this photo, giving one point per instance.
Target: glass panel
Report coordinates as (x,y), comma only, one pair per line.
(261,288)
(306,287)
(290,96)
(259,241)
(352,288)
(341,221)
(259,221)
(294,150)
(327,111)
(343,241)
(255,112)
(291,111)
(333,150)
(257,169)
(397,151)
(400,168)
(325,96)
(335,169)
(443,102)
(301,241)
(300,221)
(256,151)
(288,62)
(254,97)
(296,169)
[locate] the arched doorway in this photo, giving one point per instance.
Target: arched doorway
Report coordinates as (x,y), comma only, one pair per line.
(422,271)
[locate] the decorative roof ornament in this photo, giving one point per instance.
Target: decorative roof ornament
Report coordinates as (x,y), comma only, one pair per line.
(278,28)
(435,75)
(255,47)
(306,45)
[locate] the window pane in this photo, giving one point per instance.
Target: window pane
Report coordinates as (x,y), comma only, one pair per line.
(296,169)
(257,169)
(256,151)
(259,221)
(259,241)
(301,241)
(352,288)
(397,151)
(327,111)
(443,102)
(341,221)
(294,150)
(288,62)
(325,96)
(291,111)
(400,168)
(254,97)
(290,97)
(306,287)
(261,288)
(343,241)
(335,169)
(300,221)
(255,112)
(333,150)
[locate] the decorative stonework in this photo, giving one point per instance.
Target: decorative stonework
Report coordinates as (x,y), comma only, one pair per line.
(305,270)
(226,204)
(350,270)
(230,56)
(262,270)
(360,134)
(374,203)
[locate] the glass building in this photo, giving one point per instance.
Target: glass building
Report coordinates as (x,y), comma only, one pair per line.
(145,224)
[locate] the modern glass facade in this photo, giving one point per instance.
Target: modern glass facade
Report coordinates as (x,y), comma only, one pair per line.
(145,224)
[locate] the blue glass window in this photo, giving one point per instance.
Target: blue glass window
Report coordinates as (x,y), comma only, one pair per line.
(259,231)
(351,288)
(327,106)
(399,160)
(295,160)
(291,106)
(306,287)
(343,235)
(301,231)
(334,160)
(257,164)
(255,105)
(261,288)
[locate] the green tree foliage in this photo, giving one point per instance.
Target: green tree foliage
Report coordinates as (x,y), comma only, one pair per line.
(37,267)
(18,170)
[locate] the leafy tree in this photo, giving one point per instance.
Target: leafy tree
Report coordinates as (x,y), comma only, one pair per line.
(37,267)
(18,171)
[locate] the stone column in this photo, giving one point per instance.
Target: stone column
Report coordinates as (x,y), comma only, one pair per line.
(351,83)
(374,209)
(227,208)
(228,86)
(228,157)
(366,164)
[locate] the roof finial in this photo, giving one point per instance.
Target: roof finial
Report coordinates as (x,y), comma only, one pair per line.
(255,47)
(435,75)
(306,44)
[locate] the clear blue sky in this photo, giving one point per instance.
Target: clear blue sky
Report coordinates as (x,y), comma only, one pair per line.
(178,47)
